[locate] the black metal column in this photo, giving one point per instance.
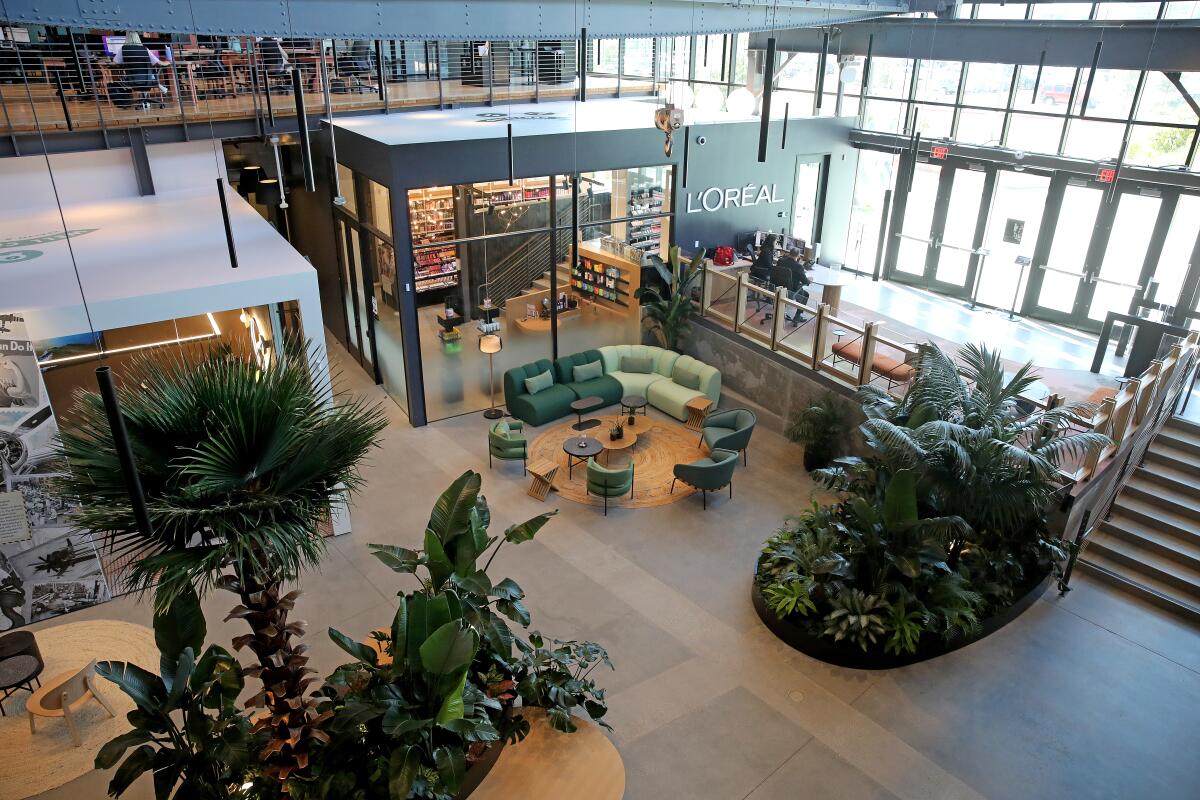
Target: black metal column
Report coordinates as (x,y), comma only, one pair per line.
(116,424)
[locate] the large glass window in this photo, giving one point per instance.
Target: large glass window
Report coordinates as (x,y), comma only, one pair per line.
(937,81)
(1177,249)
(1053,90)
(890,77)
(1068,251)
(1124,255)
(987,84)
(872,178)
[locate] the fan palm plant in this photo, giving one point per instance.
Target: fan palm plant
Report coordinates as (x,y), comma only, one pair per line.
(669,316)
(239,464)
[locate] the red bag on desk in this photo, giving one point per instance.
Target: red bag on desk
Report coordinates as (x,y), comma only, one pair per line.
(723,256)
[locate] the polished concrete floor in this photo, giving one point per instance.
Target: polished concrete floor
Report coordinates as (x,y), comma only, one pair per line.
(1086,696)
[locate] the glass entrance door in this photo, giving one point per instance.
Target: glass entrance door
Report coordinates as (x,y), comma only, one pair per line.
(1014,221)
(354,295)
(1112,287)
(1056,286)
(916,232)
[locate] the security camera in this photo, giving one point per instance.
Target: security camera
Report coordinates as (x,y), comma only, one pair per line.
(701,140)
(668,119)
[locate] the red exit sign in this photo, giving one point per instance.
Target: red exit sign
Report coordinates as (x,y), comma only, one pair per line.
(1106,175)
(939,152)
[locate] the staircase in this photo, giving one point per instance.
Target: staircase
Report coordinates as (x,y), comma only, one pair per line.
(1150,544)
(524,269)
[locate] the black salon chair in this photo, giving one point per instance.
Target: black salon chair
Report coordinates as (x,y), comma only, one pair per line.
(353,64)
(138,76)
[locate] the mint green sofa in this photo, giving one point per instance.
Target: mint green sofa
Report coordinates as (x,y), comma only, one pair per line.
(659,387)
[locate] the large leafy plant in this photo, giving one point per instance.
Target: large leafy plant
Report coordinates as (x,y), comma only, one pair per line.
(942,523)
(668,313)
(187,729)
(433,691)
(823,429)
(240,463)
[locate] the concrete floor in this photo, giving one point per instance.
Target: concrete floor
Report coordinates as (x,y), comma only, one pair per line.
(1091,695)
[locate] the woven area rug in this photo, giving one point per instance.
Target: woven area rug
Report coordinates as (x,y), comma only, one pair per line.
(34,763)
(661,444)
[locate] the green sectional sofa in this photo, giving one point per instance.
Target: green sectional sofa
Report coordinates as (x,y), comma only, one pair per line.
(659,386)
(546,405)
(662,377)
(605,386)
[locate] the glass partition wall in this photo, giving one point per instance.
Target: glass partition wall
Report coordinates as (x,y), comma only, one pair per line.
(485,256)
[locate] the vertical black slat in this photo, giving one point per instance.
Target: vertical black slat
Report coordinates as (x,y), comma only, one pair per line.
(582,47)
(380,78)
(822,193)
(179,96)
(1037,79)
(62,98)
(787,107)
(912,173)
(866,71)
(120,436)
(764,122)
(883,226)
(511,173)
(233,263)
(706,50)
(141,161)
(333,53)
(821,61)
(724,57)
(1087,89)
(310,181)
(78,64)
(266,81)
(687,146)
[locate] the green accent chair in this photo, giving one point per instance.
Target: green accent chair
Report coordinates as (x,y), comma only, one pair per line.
(605,387)
(536,409)
(729,430)
(509,445)
(609,482)
(708,474)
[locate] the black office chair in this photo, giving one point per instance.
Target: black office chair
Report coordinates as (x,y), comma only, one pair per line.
(138,75)
(352,64)
(276,70)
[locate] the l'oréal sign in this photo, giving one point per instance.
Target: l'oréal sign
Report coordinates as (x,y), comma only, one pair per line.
(716,199)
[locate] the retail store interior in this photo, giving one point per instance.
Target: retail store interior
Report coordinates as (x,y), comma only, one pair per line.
(872,330)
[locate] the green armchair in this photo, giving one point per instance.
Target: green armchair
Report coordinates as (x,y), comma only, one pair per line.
(506,441)
(729,430)
(605,482)
(708,474)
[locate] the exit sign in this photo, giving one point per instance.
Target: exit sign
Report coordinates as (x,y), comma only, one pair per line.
(939,152)
(1106,175)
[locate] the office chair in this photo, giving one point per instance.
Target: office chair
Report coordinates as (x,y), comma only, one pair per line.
(139,74)
(354,63)
(276,71)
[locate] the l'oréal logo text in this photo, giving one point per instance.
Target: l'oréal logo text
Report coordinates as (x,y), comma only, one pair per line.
(715,199)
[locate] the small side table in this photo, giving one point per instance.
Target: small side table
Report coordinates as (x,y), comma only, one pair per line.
(579,449)
(543,473)
(585,405)
(697,409)
(18,672)
(631,403)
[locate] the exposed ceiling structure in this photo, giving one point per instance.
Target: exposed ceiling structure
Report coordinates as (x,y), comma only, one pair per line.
(443,19)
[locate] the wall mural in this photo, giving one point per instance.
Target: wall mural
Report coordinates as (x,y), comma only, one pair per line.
(46,567)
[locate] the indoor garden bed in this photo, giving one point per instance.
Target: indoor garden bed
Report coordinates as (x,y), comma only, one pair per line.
(940,536)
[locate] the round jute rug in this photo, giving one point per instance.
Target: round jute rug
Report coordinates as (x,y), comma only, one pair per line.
(34,763)
(661,444)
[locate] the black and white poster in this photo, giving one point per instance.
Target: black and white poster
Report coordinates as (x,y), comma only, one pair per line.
(46,567)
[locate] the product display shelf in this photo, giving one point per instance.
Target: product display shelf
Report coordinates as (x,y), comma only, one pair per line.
(605,277)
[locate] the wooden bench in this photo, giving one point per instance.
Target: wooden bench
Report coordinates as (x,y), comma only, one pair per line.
(891,369)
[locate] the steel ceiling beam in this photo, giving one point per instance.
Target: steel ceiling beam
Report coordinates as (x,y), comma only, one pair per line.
(1171,45)
(440,19)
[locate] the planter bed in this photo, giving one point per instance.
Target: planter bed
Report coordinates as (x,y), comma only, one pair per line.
(840,654)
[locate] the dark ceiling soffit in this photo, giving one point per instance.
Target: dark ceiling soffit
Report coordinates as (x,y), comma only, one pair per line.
(423,19)
(1078,166)
(1067,44)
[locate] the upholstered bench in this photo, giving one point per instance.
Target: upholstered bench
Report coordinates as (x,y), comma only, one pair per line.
(891,369)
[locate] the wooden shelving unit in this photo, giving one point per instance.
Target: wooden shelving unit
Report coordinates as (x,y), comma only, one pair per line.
(606,278)
(500,193)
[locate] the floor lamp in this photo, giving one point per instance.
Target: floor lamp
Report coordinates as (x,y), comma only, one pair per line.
(491,344)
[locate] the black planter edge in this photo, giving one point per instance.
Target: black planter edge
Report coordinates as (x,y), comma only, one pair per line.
(823,649)
(480,769)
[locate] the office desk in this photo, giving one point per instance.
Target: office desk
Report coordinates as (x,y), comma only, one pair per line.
(831,281)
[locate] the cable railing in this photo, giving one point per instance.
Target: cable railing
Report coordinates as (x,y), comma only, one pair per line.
(84,81)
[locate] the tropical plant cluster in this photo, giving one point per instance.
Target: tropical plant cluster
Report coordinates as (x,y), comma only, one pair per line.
(943,524)
(668,312)
(240,464)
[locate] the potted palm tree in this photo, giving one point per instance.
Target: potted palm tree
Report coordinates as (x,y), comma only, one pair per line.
(669,313)
(239,463)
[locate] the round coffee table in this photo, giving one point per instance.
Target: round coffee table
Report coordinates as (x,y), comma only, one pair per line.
(579,449)
(582,406)
(631,403)
(627,440)
(18,672)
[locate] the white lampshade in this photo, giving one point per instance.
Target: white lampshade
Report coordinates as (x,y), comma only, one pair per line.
(490,343)
(740,102)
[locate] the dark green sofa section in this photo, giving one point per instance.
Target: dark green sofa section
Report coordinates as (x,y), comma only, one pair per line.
(536,409)
(605,387)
